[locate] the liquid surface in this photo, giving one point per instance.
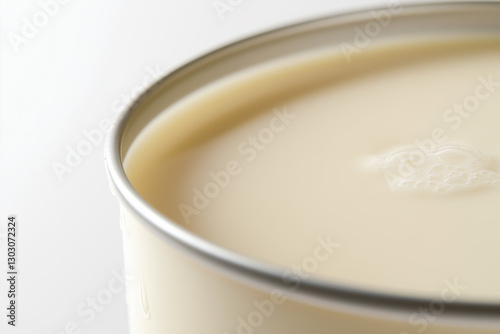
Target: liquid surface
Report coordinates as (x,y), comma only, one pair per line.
(444,168)
(394,158)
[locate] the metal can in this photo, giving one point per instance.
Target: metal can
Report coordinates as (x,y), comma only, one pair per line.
(190,285)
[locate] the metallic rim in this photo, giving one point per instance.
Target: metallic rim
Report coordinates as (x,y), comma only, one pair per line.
(251,270)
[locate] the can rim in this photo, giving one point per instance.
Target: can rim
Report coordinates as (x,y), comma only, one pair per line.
(249,269)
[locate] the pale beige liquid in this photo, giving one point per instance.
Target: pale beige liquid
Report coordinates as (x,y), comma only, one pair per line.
(323,170)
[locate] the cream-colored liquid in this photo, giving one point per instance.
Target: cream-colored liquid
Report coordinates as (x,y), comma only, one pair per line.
(332,167)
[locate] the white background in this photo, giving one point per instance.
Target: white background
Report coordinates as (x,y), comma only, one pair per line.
(68,76)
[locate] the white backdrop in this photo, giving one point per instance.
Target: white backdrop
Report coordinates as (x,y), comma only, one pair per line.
(66,69)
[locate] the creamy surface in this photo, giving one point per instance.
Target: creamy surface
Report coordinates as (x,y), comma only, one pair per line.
(395,156)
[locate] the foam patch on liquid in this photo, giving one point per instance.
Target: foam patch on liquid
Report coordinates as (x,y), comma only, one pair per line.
(446,168)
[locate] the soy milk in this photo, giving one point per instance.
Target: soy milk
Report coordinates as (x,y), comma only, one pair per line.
(395,157)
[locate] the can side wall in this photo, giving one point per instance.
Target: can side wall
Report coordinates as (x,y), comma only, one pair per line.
(169,292)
